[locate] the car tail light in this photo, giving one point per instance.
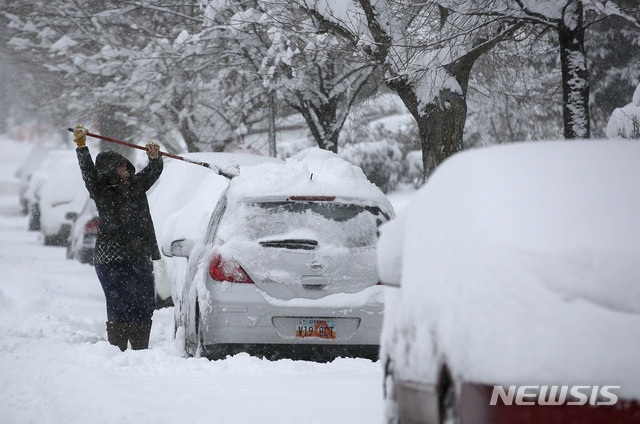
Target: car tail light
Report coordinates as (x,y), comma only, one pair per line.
(227,269)
(314,198)
(91,227)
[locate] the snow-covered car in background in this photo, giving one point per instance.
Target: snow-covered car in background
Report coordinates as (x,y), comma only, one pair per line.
(181,202)
(286,267)
(36,181)
(518,297)
(32,163)
(63,192)
(56,189)
(84,232)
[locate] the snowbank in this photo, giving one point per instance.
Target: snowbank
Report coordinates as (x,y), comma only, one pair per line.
(56,365)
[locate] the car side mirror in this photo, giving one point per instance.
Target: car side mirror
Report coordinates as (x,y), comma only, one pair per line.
(391,283)
(71,216)
(179,248)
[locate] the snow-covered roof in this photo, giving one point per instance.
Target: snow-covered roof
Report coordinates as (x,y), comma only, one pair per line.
(519,264)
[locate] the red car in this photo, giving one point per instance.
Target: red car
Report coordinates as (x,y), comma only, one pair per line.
(515,291)
(83,233)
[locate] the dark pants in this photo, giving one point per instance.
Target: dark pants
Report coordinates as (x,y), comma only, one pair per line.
(129,291)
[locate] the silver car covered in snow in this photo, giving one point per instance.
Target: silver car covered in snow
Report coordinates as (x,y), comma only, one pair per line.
(287,267)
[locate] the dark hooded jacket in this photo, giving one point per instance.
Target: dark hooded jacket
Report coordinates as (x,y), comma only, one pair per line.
(125,234)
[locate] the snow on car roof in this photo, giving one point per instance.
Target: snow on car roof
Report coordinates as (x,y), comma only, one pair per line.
(194,191)
(60,177)
(33,162)
(551,196)
(313,172)
(522,259)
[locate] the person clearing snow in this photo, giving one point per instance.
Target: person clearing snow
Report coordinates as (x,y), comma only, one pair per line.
(126,242)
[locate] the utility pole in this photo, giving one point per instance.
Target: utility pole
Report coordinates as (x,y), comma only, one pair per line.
(272,125)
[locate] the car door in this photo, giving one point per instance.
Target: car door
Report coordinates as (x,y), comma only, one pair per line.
(197,261)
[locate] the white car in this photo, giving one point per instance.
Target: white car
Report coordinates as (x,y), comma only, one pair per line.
(56,189)
(286,266)
(515,291)
(32,163)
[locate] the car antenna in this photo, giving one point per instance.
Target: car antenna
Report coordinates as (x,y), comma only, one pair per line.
(311,177)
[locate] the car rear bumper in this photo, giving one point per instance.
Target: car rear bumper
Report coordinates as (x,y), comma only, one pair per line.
(419,403)
(240,315)
(293,351)
(58,235)
(475,407)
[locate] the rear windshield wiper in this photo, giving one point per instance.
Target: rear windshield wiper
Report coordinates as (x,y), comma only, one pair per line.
(291,244)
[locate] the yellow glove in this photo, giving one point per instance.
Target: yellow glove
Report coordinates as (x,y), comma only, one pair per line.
(153,149)
(80,135)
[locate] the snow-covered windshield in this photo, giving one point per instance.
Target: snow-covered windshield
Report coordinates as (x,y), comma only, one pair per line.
(328,223)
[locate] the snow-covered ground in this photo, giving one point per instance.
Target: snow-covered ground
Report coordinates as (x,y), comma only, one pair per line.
(57,367)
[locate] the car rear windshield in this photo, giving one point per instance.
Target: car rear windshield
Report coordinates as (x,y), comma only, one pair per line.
(328,223)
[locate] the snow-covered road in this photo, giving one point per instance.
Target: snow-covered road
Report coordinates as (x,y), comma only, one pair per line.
(56,366)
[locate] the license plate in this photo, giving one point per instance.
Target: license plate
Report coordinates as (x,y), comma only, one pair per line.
(319,328)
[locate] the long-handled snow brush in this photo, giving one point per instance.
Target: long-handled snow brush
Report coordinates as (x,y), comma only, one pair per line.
(228,172)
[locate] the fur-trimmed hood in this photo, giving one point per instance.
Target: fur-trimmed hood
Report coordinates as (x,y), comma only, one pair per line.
(106,164)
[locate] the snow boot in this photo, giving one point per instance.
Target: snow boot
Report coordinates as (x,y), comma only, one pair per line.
(139,336)
(117,334)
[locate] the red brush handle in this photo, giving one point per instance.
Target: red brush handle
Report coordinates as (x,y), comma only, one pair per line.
(230,173)
(135,146)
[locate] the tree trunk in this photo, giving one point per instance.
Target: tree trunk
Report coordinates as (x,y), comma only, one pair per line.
(575,76)
(272,125)
(321,122)
(442,129)
(190,138)
(440,123)
(111,125)
(326,113)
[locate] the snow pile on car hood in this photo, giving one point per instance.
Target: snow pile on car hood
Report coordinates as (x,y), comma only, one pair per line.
(520,266)
(313,172)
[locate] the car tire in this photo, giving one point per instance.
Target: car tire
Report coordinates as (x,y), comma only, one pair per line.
(34,218)
(191,347)
(70,253)
(163,303)
(389,394)
(201,351)
(448,408)
(83,257)
(51,241)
